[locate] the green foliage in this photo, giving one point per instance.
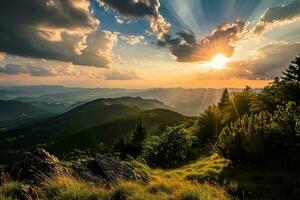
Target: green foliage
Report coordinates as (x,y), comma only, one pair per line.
(260,137)
(139,135)
(239,104)
(171,149)
(209,125)
(292,74)
(225,99)
(281,90)
(109,133)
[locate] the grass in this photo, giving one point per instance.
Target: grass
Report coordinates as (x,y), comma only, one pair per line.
(160,185)
(7,189)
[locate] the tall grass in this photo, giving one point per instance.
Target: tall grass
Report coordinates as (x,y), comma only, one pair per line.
(6,190)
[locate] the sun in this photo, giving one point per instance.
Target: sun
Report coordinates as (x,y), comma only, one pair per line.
(218,62)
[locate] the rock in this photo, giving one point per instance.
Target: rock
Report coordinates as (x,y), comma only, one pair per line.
(36,167)
(25,192)
(105,169)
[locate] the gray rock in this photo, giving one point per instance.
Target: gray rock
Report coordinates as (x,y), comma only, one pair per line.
(37,166)
(105,169)
(25,192)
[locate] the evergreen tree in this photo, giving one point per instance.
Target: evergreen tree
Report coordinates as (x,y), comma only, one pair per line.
(291,81)
(225,99)
(139,135)
(292,74)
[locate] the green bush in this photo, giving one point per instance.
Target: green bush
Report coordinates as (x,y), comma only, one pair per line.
(261,137)
(171,149)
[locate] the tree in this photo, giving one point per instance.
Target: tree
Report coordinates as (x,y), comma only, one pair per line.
(209,125)
(292,74)
(225,99)
(139,135)
(134,148)
(281,90)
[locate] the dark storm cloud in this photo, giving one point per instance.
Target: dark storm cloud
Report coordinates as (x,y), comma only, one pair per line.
(51,29)
(186,48)
(267,62)
(148,9)
(278,14)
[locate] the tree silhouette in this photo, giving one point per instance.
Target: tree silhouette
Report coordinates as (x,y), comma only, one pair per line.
(225,99)
(292,74)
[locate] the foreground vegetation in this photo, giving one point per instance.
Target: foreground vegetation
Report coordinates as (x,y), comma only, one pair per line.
(183,183)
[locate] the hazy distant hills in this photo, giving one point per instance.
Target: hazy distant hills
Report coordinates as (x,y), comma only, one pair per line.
(60,99)
(100,119)
(14,113)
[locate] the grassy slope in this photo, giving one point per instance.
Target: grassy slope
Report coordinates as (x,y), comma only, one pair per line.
(161,185)
(190,182)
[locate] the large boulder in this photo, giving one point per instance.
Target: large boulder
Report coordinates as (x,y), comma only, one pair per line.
(105,169)
(25,192)
(37,166)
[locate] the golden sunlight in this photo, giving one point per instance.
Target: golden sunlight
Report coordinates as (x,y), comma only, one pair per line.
(218,62)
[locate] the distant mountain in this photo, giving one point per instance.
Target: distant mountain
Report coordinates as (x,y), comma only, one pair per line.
(61,99)
(108,133)
(86,116)
(14,113)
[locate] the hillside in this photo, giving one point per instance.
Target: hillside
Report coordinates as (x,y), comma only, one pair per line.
(89,115)
(14,113)
(153,120)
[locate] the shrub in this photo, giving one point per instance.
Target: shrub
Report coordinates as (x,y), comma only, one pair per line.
(173,148)
(260,137)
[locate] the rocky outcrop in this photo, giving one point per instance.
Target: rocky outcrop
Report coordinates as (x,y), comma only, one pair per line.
(105,169)
(37,166)
(25,192)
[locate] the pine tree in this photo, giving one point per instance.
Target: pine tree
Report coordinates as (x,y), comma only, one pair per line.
(139,135)
(291,81)
(292,74)
(225,98)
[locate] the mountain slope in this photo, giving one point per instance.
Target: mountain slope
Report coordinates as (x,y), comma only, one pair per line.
(89,115)
(108,133)
(13,113)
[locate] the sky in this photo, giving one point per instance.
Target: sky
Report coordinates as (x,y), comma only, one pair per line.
(147,43)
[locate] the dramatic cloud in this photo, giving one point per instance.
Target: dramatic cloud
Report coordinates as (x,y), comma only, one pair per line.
(132,39)
(186,48)
(16,69)
(61,30)
(148,9)
(278,14)
(266,63)
(121,75)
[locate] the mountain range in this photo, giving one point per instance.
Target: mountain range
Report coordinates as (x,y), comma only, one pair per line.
(59,99)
